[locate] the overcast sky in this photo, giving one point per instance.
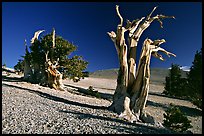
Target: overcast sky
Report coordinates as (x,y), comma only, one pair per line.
(86,26)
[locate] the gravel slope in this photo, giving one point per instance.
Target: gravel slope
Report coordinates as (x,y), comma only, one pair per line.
(28,108)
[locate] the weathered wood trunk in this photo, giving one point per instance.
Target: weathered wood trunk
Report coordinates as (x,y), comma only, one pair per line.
(54,77)
(132,89)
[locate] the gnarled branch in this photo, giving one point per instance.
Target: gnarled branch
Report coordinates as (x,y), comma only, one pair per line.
(53,38)
(36,35)
(118,13)
(148,17)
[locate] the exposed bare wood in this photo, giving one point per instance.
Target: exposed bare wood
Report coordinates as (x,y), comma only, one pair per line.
(118,13)
(54,76)
(36,35)
(134,26)
(113,38)
(46,56)
(141,85)
(133,84)
(53,38)
(148,17)
(159,17)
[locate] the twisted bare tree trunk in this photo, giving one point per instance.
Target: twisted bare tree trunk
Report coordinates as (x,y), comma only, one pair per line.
(54,77)
(133,84)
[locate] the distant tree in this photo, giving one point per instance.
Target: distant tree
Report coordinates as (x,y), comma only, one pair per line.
(47,61)
(4,65)
(175,85)
(190,87)
(194,78)
(86,74)
(19,66)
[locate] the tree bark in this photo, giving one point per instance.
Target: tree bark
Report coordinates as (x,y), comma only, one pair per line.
(132,89)
(55,79)
(54,76)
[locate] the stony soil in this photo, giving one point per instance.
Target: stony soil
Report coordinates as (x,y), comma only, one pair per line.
(30,108)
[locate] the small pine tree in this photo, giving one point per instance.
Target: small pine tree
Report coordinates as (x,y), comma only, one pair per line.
(19,66)
(176,120)
(91,91)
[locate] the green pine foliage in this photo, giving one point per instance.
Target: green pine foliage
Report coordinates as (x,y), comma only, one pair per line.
(176,120)
(69,67)
(175,85)
(19,66)
(194,78)
(190,87)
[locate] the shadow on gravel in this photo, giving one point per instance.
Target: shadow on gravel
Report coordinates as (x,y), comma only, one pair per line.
(155,104)
(187,110)
(58,99)
(137,127)
(105,96)
(12,79)
(190,111)
(141,130)
(163,95)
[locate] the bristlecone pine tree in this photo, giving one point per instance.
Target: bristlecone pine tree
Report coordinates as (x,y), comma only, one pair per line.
(45,59)
(132,89)
(194,78)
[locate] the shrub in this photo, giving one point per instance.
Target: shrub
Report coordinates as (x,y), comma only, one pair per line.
(92,92)
(190,87)
(176,120)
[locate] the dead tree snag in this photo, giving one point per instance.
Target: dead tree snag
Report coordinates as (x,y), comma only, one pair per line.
(133,84)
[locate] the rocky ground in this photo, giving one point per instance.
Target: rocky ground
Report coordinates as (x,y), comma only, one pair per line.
(30,108)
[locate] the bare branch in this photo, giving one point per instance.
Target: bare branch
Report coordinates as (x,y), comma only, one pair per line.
(56,63)
(134,26)
(128,24)
(163,16)
(156,54)
(53,38)
(36,35)
(46,56)
(118,13)
(161,23)
(158,42)
(112,35)
(148,17)
(166,52)
(155,48)
(159,17)
(113,38)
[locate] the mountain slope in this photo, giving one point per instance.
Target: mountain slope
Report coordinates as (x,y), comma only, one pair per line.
(157,74)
